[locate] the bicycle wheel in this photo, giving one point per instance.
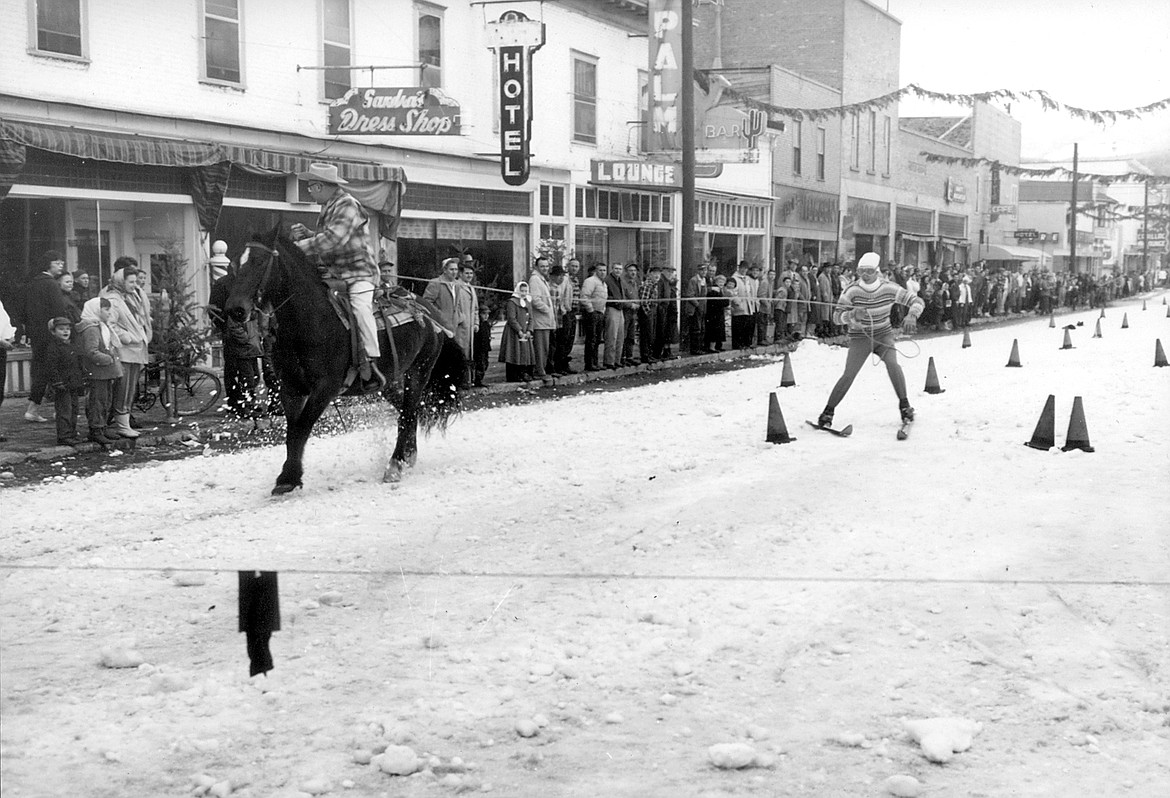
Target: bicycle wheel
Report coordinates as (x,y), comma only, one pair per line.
(196,389)
(144,397)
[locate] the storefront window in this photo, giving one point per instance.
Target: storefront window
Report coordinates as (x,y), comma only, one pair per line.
(654,247)
(753,250)
(725,252)
(591,245)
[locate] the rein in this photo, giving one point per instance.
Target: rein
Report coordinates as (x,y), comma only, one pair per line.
(273,256)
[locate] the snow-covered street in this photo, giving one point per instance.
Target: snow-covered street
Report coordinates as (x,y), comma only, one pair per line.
(581,597)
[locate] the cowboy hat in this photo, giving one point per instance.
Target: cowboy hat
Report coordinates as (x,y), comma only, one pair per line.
(323,173)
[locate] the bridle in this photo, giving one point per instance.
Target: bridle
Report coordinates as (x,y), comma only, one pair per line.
(273,256)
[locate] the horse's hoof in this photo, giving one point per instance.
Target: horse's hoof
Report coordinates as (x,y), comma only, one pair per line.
(392,474)
(282,489)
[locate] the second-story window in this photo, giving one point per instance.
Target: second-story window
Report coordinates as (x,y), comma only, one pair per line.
(430,45)
(797,158)
(60,28)
(221,41)
(889,144)
(336,47)
(855,143)
(584,99)
(872,141)
(820,153)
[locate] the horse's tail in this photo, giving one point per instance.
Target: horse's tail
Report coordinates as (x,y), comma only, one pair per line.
(440,400)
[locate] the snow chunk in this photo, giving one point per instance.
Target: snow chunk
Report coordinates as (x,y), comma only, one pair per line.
(941,738)
(902,786)
(398,760)
(731,756)
(120,655)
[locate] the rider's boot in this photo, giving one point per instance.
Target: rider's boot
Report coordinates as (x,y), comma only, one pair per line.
(371,376)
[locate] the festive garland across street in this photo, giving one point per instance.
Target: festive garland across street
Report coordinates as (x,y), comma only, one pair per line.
(1037,95)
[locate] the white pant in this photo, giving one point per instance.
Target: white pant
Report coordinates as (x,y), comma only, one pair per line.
(361,299)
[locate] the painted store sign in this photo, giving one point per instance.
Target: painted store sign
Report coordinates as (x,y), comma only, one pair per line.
(394,111)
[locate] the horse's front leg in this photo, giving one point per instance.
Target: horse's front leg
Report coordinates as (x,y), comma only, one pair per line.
(301,413)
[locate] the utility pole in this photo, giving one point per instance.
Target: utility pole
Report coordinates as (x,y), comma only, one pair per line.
(1072,222)
(687,107)
(1145,231)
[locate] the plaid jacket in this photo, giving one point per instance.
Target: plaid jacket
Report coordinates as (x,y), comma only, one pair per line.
(342,242)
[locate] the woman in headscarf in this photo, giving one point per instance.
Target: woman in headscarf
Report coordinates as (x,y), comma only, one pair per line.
(132,325)
(516,350)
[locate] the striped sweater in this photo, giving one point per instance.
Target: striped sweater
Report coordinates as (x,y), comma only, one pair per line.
(868,309)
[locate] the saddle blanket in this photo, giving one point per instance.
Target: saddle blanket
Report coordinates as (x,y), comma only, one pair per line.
(393,307)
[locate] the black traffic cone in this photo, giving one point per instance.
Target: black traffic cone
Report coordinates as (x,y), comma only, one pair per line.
(1168,312)
(1159,354)
(1067,340)
(966,338)
(1143,304)
(1102,313)
(1125,321)
(786,378)
(777,429)
(1097,332)
(1014,358)
(1078,433)
(1044,436)
(1051,319)
(932,385)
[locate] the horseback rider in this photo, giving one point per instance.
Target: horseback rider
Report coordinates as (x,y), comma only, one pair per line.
(341,248)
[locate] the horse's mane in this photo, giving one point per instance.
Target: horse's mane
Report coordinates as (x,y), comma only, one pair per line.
(275,240)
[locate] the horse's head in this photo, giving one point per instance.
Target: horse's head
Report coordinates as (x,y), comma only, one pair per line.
(256,275)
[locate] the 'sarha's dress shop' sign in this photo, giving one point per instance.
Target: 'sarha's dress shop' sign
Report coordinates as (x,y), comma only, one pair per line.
(397,111)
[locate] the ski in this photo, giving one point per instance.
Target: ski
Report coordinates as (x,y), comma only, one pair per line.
(845,432)
(904,430)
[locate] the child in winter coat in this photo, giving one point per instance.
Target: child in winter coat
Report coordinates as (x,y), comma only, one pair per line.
(99,356)
(66,379)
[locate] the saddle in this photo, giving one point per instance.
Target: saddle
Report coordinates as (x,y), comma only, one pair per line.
(394,306)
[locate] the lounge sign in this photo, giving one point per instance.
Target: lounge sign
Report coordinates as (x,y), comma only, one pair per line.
(394,111)
(635,173)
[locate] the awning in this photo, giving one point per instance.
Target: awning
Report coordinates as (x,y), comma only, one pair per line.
(1006,252)
(377,186)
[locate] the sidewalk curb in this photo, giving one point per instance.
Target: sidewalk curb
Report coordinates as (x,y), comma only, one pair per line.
(676,362)
(49,453)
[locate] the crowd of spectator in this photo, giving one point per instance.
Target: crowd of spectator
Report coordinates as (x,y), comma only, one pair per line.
(85,349)
(627,314)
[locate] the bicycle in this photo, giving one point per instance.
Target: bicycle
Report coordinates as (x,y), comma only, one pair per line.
(195,389)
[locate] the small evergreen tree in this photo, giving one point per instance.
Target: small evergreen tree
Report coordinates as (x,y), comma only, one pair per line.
(554,249)
(182,333)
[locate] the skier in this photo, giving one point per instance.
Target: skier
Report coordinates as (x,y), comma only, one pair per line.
(865,307)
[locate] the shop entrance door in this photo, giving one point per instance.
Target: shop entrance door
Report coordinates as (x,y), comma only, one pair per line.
(725,252)
(92,258)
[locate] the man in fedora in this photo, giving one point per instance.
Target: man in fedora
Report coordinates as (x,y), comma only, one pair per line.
(341,246)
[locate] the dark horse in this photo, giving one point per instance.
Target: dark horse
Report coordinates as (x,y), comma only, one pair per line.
(312,355)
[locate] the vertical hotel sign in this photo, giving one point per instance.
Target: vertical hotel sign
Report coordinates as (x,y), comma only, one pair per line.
(665,75)
(514,37)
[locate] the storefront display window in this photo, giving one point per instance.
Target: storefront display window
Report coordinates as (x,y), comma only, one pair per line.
(654,247)
(591,245)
